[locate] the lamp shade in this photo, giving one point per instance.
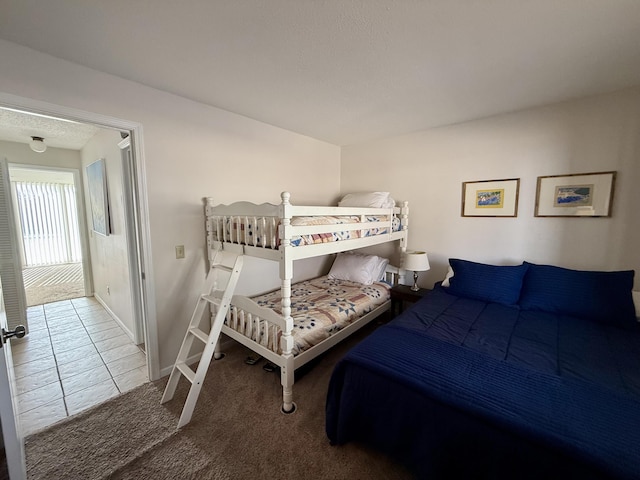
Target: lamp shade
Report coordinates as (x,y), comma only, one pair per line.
(416,261)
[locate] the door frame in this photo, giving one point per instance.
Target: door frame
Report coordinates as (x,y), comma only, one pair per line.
(133,236)
(146,283)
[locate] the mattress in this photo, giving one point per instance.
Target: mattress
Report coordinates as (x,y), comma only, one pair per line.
(319,307)
(456,386)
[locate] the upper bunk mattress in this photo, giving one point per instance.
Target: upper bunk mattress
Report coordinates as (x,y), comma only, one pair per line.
(320,307)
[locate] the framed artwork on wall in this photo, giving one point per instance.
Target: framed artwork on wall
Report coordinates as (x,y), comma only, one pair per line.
(490,198)
(575,195)
(98,197)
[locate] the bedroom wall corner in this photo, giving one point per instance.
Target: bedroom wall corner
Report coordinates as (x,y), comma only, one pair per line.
(191,151)
(592,134)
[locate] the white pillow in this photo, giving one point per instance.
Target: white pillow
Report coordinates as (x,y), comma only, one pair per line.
(366,200)
(382,266)
(445,282)
(390,203)
(354,267)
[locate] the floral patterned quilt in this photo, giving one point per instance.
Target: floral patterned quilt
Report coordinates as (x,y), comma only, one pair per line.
(321,307)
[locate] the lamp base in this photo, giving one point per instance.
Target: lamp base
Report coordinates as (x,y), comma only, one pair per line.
(415,287)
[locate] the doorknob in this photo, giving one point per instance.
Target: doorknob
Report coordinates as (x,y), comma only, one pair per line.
(19,332)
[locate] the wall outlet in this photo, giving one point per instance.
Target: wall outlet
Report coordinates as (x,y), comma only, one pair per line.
(179,251)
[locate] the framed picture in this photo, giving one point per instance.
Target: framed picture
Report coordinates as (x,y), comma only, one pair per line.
(98,198)
(490,198)
(575,195)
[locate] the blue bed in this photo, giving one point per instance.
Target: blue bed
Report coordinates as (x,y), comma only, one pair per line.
(530,371)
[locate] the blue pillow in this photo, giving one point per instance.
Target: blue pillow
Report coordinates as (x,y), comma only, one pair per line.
(489,283)
(601,296)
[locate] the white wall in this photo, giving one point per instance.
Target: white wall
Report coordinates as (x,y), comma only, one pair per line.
(427,168)
(109,255)
(52,157)
(191,151)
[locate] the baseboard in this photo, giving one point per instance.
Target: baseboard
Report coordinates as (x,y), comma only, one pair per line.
(190,361)
(114,316)
(224,343)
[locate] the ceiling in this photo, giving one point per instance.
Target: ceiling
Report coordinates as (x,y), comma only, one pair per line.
(347,71)
(20,127)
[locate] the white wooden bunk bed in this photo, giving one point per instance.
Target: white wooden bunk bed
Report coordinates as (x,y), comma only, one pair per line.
(285,233)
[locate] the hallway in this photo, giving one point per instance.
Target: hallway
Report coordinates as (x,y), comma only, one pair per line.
(74,357)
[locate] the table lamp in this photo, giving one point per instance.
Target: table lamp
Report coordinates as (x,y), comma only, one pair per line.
(418,262)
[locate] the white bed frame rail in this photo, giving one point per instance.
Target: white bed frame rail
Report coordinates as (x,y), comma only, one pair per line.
(276,230)
(246,317)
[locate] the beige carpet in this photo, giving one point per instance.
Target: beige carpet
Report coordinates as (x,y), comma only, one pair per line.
(237,432)
(53,283)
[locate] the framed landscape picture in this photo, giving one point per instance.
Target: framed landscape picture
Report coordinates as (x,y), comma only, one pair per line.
(575,195)
(490,198)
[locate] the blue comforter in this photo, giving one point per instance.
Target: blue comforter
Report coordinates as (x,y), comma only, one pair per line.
(462,387)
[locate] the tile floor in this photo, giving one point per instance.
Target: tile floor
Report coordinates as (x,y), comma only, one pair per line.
(74,357)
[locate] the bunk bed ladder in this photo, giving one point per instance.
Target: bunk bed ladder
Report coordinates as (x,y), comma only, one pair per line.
(219,287)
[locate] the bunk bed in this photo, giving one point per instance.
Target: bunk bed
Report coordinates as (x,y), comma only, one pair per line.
(269,324)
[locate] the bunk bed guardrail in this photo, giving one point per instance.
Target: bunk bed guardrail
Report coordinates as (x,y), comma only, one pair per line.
(270,226)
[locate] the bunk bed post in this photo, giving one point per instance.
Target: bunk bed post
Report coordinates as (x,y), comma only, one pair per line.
(209,226)
(404,217)
(217,352)
(211,232)
(286,274)
(404,222)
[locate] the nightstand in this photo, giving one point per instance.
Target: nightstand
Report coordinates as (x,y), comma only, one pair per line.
(403,293)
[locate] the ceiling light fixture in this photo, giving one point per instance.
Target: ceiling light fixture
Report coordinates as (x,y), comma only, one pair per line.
(37,144)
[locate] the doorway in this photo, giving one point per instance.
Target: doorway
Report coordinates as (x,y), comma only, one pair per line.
(49,236)
(138,252)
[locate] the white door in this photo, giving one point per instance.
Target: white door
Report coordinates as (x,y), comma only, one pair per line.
(9,306)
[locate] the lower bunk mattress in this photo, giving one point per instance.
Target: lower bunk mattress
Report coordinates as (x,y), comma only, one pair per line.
(320,307)
(459,388)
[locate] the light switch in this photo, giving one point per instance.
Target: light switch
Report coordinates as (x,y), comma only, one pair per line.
(179,251)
